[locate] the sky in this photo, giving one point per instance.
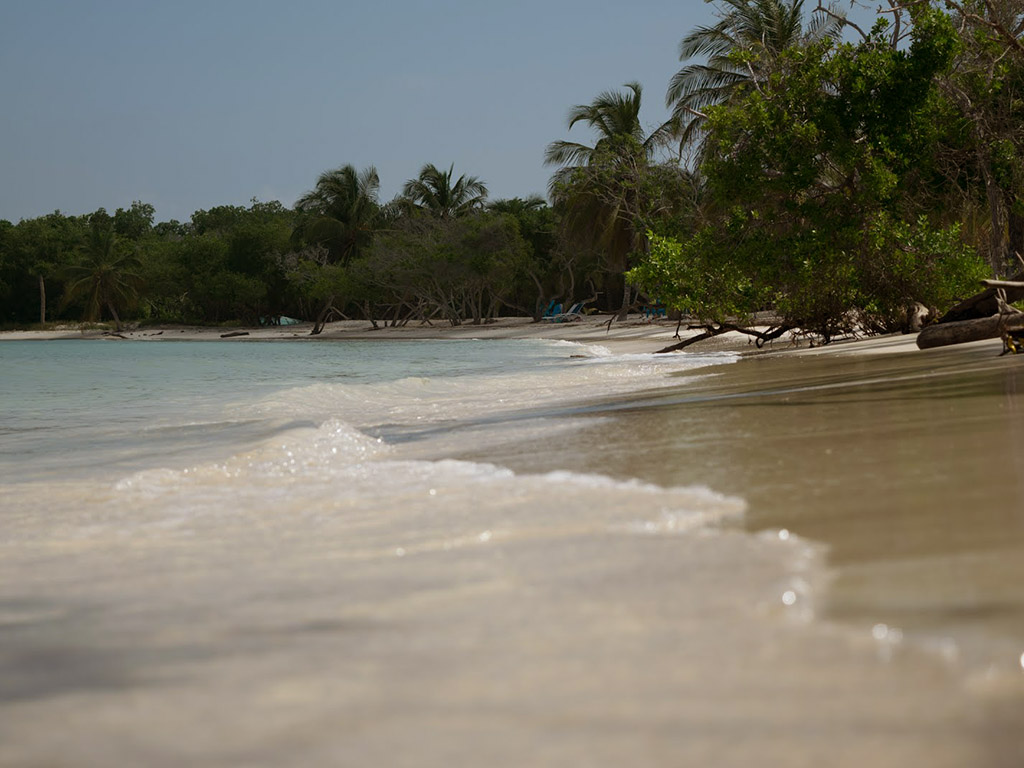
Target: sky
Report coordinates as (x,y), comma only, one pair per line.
(188,105)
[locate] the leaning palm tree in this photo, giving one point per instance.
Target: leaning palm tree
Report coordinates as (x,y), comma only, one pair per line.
(763,28)
(343,212)
(106,278)
(597,189)
(434,192)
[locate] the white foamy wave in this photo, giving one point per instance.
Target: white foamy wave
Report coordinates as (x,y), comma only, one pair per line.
(419,400)
(353,487)
(303,452)
(673,360)
(583,349)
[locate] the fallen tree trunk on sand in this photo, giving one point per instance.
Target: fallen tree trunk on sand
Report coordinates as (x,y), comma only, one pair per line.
(985,315)
(982,306)
(963,331)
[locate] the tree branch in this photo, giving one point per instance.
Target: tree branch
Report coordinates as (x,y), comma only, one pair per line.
(822,8)
(762,337)
(996,26)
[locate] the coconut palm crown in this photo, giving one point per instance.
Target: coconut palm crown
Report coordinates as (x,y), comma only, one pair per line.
(764,28)
(615,117)
(434,192)
(343,211)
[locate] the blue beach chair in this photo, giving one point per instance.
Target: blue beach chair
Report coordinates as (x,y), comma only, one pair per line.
(575,313)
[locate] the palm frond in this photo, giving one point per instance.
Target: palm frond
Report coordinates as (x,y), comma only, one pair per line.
(765,28)
(690,81)
(567,152)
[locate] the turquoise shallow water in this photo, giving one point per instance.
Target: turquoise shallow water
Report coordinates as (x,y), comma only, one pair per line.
(68,407)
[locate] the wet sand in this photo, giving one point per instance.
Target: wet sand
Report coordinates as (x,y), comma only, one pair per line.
(908,466)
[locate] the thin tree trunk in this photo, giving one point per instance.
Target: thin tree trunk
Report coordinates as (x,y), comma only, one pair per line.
(627,295)
(113,314)
(369,314)
(476,306)
(1015,227)
(321,318)
(997,240)
(42,300)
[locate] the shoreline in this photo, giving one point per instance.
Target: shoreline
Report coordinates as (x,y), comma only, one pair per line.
(632,336)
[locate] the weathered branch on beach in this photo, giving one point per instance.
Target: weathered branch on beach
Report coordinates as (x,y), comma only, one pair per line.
(1004,284)
(761,337)
(710,332)
(232,334)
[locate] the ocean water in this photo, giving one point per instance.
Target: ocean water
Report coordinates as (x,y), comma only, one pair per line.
(305,553)
(74,409)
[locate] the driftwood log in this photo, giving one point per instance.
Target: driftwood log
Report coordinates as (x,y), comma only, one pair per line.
(233,334)
(983,305)
(1006,285)
(985,315)
(944,334)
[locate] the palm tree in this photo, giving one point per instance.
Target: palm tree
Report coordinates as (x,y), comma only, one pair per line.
(105,277)
(616,118)
(764,28)
(598,188)
(344,211)
(434,192)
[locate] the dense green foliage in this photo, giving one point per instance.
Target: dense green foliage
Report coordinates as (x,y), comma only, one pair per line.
(828,201)
(835,184)
(339,252)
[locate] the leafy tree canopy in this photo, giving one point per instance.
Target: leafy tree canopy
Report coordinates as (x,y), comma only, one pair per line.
(810,173)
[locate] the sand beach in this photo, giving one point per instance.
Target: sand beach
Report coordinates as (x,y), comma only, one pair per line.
(811,556)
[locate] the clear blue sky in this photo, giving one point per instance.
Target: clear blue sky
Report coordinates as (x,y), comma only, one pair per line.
(188,105)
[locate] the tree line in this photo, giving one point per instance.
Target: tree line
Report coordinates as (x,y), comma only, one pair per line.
(832,174)
(440,252)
